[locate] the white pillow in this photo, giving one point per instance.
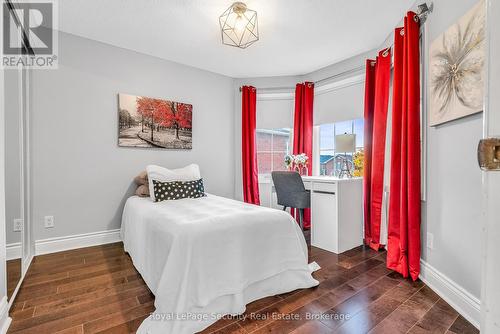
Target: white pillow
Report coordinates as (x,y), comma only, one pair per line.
(188,173)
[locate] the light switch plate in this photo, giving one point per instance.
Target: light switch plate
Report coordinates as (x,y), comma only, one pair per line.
(18,225)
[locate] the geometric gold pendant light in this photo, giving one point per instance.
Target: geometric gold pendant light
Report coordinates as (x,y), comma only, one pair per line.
(239,26)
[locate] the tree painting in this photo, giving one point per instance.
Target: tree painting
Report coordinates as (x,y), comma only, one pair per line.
(151,122)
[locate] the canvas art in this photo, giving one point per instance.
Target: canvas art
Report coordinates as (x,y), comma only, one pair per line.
(149,122)
(457,68)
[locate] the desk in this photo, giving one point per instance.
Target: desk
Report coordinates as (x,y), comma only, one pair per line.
(336,212)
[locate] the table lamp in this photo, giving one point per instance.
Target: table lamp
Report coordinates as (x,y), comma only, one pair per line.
(345,143)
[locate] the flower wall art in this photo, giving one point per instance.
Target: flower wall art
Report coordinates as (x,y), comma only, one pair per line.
(456,68)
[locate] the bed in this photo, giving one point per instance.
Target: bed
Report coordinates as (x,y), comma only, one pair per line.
(208,257)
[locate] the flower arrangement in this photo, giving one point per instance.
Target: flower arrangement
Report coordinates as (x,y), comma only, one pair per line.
(301,160)
(297,162)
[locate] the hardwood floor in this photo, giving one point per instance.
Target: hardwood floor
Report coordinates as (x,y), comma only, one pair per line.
(13,268)
(97,290)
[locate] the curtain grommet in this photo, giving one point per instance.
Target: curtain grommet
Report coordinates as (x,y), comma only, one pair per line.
(402,32)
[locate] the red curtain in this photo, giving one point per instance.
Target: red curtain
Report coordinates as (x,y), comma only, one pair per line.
(403,247)
(248,145)
(303,128)
(376,104)
(368,133)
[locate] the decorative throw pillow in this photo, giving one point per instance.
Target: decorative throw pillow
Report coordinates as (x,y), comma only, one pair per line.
(142,191)
(141,179)
(165,191)
(188,173)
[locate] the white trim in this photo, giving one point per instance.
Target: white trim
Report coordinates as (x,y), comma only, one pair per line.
(325,88)
(339,84)
(455,295)
(275,96)
(5,320)
(59,244)
(14,251)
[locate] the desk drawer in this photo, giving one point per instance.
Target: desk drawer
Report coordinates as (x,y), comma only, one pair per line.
(325,187)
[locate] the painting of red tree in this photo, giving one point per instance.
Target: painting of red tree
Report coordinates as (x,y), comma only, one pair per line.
(151,122)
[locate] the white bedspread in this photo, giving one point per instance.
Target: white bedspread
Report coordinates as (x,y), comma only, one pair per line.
(207,257)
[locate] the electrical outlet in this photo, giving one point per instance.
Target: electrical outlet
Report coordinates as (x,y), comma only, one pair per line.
(430,240)
(18,225)
(49,221)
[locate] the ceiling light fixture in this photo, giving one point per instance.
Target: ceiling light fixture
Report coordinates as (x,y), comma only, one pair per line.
(238,26)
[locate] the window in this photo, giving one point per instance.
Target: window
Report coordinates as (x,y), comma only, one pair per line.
(330,160)
(272,147)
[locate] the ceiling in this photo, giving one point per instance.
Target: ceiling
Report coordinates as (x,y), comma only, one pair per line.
(296,36)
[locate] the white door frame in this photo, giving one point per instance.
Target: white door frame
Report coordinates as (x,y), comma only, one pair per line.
(490,289)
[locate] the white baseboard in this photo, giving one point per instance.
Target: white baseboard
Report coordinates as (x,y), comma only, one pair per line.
(13,251)
(4,316)
(455,295)
(60,244)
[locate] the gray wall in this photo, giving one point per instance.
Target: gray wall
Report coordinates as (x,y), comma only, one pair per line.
(452,212)
(80,175)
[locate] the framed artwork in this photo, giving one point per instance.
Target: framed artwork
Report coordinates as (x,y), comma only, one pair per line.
(150,122)
(456,68)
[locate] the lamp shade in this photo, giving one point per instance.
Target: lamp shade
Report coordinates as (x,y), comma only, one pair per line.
(345,143)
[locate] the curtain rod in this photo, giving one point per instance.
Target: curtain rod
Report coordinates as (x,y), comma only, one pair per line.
(424,10)
(317,82)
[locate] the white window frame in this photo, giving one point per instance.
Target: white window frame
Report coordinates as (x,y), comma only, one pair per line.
(265,176)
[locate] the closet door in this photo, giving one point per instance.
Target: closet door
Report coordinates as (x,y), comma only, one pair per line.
(490,294)
(14,183)
(27,240)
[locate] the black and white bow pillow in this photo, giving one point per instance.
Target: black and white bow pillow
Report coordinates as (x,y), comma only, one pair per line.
(165,191)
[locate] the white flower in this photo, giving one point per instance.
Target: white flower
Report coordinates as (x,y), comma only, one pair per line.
(300,159)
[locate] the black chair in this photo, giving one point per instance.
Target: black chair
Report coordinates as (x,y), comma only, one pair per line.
(291,192)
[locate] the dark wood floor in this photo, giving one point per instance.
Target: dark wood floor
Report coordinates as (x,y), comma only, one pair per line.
(13,275)
(97,290)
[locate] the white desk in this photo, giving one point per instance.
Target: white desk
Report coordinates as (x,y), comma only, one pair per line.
(336,212)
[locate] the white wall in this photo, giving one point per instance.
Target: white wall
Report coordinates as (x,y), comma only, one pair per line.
(80,175)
